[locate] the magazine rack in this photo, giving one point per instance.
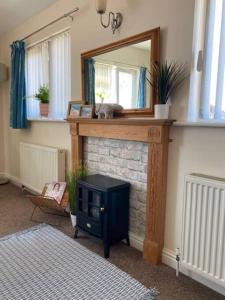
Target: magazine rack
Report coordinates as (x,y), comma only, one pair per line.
(49,205)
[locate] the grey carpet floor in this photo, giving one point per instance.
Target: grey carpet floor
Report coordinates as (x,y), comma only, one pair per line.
(15,211)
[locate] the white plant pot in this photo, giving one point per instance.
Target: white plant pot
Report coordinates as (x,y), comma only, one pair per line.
(162,111)
(73,220)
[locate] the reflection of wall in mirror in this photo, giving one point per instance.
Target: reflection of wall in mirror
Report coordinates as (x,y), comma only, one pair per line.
(131,57)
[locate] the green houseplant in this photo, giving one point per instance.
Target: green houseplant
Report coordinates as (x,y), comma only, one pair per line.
(43,96)
(101,95)
(167,78)
(72,178)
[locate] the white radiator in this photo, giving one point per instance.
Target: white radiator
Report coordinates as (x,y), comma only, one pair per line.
(203,235)
(40,165)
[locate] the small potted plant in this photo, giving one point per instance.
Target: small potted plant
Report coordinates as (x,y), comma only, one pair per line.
(168,77)
(101,95)
(43,96)
(72,178)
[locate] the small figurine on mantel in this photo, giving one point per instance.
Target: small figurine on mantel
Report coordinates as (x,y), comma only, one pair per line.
(106,111)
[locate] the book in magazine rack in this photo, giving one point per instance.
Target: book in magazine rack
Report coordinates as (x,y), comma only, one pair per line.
(49,205)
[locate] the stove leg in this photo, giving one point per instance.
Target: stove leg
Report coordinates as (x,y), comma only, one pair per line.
(76,233)
(128,240)
(106,249)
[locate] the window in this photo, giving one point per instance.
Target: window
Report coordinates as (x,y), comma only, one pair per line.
(49,63)
(207,89)
(127,88)
(116,84)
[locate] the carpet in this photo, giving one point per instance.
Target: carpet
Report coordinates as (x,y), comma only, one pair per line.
(43,263)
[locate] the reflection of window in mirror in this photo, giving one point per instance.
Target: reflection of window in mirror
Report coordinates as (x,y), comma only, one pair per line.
(120,76)
(116,84)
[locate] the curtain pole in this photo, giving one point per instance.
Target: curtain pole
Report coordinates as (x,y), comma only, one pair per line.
(53,22)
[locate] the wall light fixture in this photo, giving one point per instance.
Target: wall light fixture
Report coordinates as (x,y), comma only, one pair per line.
(115,19)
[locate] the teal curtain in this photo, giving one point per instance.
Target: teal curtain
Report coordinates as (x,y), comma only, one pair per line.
(18,114)
(89,75)
(141,103)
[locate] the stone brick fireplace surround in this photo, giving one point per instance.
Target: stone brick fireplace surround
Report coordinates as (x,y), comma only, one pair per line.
(135,150)
(125,160)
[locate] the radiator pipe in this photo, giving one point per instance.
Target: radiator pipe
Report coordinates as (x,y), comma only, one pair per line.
(178,261)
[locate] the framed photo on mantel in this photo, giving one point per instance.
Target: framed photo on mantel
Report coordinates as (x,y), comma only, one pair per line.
(74,109)
(78,109)
(87,111)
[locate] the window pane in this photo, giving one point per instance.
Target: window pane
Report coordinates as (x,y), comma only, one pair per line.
(60,75)
(213,62)
(37,74)
(105,85)
(125,89)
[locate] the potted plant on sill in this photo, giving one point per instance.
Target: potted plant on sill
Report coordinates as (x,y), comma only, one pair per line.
(43,96)
(168,77)
(72,178)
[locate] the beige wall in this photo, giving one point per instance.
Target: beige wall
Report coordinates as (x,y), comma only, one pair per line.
(1,125)
(87,34)
(1,134)
(193,149)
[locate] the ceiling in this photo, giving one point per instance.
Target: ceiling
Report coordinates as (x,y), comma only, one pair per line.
(15,12)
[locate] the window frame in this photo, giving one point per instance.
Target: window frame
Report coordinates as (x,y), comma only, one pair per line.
(121,67)
(197,74)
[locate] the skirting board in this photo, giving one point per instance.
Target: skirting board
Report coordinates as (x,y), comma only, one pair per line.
(16,181)
(168,256)
(13,179)
(136,241)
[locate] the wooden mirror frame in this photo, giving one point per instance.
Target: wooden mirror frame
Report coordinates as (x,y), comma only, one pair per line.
(154,36)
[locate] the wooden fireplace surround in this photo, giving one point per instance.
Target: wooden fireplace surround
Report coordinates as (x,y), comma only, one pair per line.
(156,134)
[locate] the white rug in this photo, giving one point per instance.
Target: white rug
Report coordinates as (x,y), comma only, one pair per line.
(43,263)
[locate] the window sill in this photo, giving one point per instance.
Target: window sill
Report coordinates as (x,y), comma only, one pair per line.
(176,123)
(47,120)
(199,124)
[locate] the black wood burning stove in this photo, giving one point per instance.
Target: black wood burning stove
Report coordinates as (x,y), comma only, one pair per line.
(103,209)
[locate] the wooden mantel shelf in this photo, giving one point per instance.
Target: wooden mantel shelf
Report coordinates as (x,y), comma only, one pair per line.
(123,121)
(142,130)
(156,134)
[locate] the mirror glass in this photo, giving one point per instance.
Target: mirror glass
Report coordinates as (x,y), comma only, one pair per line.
(120,76)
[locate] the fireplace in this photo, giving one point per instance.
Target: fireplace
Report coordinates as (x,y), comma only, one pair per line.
(124,160)
(154,134)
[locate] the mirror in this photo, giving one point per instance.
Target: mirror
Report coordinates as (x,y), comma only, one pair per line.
(118,73)
(120,76)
